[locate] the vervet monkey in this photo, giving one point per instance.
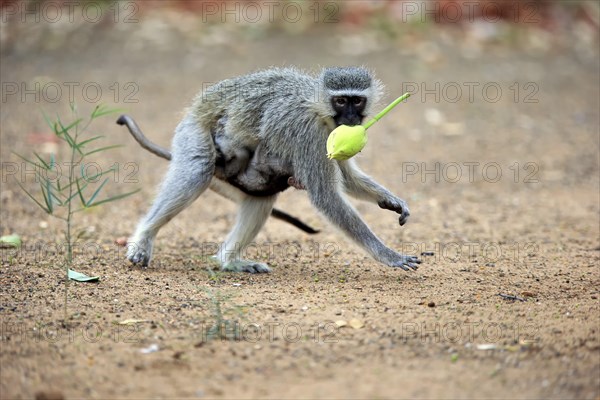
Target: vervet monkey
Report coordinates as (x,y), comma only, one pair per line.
(279,117)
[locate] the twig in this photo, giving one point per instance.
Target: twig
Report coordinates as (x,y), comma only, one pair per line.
(510,297)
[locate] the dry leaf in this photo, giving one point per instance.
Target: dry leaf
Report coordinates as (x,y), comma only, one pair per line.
(356,324)
(132,321)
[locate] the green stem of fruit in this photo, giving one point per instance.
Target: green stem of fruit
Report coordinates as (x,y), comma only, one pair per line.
(386,110)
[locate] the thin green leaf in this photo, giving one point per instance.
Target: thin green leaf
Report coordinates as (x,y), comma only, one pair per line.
(102,110)
(79,277)
(99,174)
(76,193)
(69,139)
(86,179)
(33,198)
(49,193)
(80,193)
(56,198)
(117,197)
(79,234)
(81,144)
(65,135)
(47,198)
(70,126)
(103,149)
(44,163)
(51,124)
(91,200)
(73,107)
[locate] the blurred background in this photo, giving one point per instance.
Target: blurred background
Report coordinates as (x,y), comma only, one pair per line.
(498,147)
(499,81)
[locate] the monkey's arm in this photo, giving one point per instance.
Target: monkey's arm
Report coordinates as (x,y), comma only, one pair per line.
(361,186)
(322,183)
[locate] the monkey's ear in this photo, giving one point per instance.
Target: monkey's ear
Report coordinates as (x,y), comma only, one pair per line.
(378,92)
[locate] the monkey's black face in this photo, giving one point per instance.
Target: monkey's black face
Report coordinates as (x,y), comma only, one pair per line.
(349,110)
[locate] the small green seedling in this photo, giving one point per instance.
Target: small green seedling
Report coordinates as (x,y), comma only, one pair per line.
(345,141)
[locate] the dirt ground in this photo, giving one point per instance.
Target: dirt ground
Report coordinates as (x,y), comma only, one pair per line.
(521,219)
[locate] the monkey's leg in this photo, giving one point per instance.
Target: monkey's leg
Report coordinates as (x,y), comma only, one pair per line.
(251,217)
(362,186)
(190,173)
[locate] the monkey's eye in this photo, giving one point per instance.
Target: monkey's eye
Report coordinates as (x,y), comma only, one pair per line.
(340,101)
(358,101)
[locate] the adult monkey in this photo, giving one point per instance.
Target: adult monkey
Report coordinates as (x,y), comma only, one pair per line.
(284,116)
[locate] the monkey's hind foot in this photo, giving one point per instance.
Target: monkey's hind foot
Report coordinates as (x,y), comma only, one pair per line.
(252,267)
(139,251)
(407,263)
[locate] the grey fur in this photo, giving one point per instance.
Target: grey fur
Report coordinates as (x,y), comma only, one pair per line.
(280,116)
(268,179)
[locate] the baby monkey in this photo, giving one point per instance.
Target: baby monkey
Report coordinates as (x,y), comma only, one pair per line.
(255,172)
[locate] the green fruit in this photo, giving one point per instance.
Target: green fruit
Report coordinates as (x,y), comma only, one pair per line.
(345,141)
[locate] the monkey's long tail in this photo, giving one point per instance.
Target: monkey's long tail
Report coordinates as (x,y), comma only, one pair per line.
(137,134)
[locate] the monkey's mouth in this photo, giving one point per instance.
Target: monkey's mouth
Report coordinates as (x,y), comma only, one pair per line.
(349,121)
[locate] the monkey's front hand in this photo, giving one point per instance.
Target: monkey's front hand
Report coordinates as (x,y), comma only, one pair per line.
(397,205)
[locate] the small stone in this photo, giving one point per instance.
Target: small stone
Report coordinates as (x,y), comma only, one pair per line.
(431,304)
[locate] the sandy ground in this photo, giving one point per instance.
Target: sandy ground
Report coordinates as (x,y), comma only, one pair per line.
(521,219)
